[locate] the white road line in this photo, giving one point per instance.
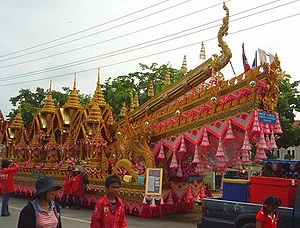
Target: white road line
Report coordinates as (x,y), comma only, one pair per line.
(64,217)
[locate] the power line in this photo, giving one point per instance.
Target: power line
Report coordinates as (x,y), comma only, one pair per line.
(157,53)
(107,40)
(59,26)
(122,51)
(104,30)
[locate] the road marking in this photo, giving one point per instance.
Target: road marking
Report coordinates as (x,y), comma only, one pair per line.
(64,217)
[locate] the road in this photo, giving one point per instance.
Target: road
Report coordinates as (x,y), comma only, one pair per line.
(81,218)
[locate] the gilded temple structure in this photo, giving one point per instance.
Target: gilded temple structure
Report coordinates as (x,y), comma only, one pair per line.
(198,124)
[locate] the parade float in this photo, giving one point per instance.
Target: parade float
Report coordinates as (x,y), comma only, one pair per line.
(198,124)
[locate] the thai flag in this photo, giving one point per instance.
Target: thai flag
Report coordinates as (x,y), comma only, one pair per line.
(245,61)
(254,64)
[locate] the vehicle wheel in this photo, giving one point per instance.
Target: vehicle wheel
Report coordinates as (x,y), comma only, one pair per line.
(248,225)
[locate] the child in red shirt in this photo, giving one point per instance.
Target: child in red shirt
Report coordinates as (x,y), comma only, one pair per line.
(267,217)
(7,172)
(109,210)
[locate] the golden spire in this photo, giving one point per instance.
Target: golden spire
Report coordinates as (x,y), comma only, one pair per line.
(168,78)
(98,137)
(151,89)
(98,95)
(52,139)
(73,100)
(202,55)
(184,65)
(123,110)
(17,123)
(110,120)
(95,114)
(136,100)
(131,103)
(49,106)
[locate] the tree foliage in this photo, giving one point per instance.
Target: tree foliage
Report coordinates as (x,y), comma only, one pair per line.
(288,104)
(120,89)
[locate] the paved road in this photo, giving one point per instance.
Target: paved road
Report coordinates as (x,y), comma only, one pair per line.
(81,218)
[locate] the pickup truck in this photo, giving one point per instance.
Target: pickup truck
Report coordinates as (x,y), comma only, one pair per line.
(217,213)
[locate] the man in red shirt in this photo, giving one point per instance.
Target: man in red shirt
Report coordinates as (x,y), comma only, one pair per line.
(7,172)
(109,210)
(267,217)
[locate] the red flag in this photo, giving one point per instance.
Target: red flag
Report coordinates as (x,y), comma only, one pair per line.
(245,61)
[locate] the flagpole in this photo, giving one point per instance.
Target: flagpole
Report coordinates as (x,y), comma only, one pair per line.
(232,68)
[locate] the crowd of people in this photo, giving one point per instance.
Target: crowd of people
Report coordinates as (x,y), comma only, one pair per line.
(43,212)
(281,170)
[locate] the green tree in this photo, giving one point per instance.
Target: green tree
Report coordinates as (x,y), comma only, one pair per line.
(30,102)
(121,88)
(288,104)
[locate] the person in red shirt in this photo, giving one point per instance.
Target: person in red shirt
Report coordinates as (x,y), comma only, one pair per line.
(267,217)
(7,172)
(67,198)
(78,183)
(109,210)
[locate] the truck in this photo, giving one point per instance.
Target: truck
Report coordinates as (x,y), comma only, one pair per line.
(218,213)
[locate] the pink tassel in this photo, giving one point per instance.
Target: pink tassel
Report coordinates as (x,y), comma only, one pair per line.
(229,133)
(196,158)
(161,154)
(267,129)
(277,129)
(174,163)
(220,150)
(262,142)
(268,142)
(162,200)
(182,148)
(179,171)
(144,200)
(273,142)
(237,163)
(152,202)
(246,143)
(260,155)
(245,156)
(189,196)
(170,199)
(205,141)
(256,127)
(200,169)
(202,192)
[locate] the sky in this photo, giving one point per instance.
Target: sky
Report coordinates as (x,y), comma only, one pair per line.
(58,38)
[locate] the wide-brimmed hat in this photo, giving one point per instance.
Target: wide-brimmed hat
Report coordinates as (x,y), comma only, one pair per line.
(44,185)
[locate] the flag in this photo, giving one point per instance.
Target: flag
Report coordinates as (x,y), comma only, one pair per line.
(262,56)
(254,64)
(2,122)
(271,58)
(245,61)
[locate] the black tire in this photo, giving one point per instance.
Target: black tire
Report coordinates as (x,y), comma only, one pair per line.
(248,225)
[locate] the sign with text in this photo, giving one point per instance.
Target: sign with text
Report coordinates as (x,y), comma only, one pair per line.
(267,118)
(154,178)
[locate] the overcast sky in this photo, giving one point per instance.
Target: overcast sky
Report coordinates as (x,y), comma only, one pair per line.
(35,29)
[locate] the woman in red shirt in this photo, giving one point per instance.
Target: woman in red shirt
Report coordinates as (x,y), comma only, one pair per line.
(7,172)
(109,211)
(267,217)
